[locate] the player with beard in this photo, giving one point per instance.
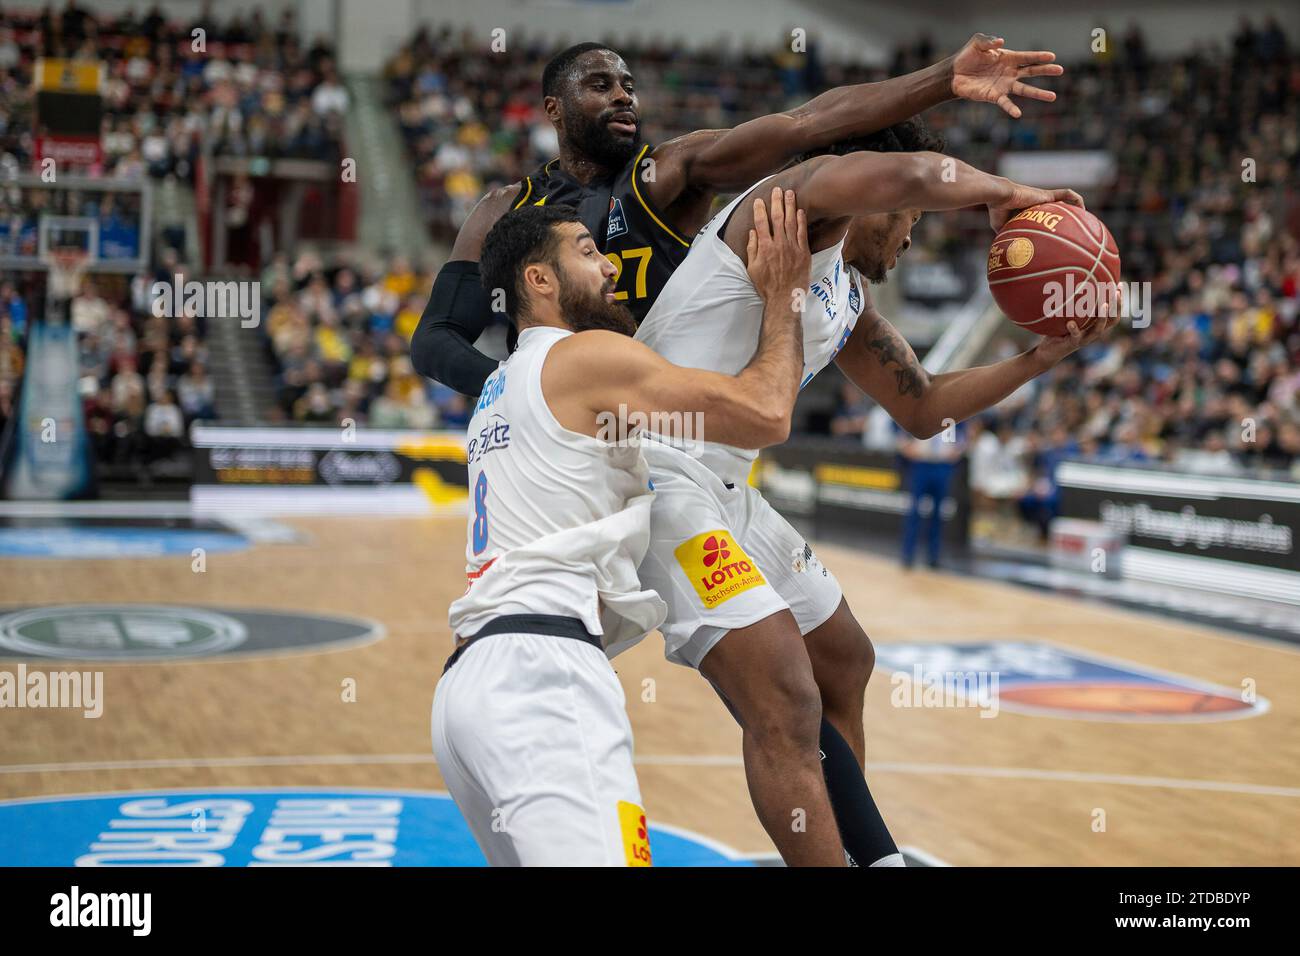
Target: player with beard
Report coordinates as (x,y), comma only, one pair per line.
(772,632)
(642,203)
(528,720)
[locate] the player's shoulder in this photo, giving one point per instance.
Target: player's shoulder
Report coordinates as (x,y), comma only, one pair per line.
(599,353)
(593,358)
(598,341)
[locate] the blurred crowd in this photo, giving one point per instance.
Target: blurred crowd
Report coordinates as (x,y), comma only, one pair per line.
(143,378)
(339,334)
(245,84)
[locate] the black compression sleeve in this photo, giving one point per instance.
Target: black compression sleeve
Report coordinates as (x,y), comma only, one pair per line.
(862,829)
(442,347)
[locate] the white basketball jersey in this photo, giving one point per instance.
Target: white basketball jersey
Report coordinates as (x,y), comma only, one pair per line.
(558,521)
(709,316)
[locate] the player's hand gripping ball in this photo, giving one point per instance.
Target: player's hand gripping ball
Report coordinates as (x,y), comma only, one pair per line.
(1054,263)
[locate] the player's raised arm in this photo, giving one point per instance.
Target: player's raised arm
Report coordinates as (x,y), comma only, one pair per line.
(982,71)
(600,372)
(862,183)
(442,346)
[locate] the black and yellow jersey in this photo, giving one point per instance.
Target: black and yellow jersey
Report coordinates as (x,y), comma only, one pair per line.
(625,224)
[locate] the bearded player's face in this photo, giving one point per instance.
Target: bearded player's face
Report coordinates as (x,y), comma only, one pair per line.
(598,110)
(586,280)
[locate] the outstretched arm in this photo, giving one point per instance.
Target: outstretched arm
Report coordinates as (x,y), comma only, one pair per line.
(982,71)
(862,183)
(834,189)
(880,362)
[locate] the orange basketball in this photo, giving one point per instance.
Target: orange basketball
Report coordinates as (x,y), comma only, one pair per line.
(1053,263)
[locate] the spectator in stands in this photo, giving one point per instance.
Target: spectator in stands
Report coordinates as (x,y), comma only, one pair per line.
(394,409)
(11,352)
(89,311)
(314,406)
(196,394)
(14,309)
(330,96)
(8,398)
(998,475)
(164,426)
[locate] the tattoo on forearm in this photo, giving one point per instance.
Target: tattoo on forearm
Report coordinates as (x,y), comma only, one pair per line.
(890,349)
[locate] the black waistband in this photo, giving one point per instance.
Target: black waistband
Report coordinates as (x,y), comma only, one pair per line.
(552,625)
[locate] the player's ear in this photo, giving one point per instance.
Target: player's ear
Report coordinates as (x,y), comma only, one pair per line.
(539,279)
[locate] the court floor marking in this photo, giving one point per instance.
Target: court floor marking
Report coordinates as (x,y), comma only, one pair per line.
(678,760)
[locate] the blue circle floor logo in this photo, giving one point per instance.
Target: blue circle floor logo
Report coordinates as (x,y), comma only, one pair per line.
(271,826)
(131,633)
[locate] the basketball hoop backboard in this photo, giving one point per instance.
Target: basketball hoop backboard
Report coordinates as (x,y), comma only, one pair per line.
(107,219)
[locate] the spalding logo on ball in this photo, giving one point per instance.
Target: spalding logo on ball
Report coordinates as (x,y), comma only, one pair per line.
(1054,263)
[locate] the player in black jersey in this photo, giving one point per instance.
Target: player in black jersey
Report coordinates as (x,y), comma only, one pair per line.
(644,203)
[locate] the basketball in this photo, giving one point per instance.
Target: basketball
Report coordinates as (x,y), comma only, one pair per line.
(1052,263)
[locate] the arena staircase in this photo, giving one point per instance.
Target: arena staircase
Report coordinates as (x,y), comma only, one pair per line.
(390,204)
(242,373)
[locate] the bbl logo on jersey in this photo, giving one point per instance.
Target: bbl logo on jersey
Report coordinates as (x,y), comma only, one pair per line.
(1043,679)
(855,297)
(617,221)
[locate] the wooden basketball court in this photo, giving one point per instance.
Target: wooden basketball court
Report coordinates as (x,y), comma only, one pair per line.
(1018,789)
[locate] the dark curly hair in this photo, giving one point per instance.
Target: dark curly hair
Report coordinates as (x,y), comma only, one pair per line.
(520,238)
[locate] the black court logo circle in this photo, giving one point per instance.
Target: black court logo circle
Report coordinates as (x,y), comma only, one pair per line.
(166,632)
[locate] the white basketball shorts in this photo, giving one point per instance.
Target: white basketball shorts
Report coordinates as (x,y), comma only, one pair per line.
(533,740)
(722,558)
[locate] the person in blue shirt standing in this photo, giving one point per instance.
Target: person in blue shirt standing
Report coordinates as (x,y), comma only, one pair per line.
(930,464)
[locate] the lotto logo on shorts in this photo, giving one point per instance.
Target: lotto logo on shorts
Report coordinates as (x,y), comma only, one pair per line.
(717,566)
(636,835)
